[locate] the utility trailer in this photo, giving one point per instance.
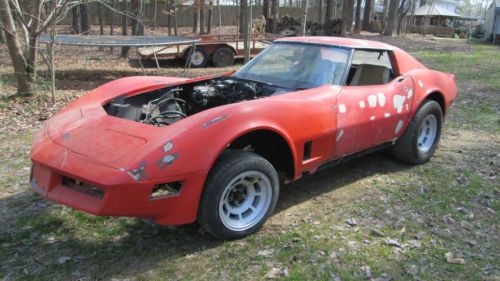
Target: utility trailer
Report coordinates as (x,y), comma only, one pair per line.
(221,50)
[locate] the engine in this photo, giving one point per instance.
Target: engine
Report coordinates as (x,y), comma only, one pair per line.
(166,106)
(219,92)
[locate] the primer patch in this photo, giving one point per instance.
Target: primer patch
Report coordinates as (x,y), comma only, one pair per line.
(342,108)
(420,83)
(399,126)
(362,104)
(372,117)
(387,115)
(410,93)
(381,99)
(168,146)
(372,100)
(398,102)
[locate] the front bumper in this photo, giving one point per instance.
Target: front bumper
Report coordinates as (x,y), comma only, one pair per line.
(121,195)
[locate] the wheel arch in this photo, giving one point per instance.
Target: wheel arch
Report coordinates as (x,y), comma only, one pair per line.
(272,145)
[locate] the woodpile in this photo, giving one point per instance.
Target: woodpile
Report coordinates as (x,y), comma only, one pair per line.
(330,28)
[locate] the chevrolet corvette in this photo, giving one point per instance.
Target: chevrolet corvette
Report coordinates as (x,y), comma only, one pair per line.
(215,150)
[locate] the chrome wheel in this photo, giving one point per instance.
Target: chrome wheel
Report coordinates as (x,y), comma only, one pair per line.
(427,133)
(197,58)
(245,200)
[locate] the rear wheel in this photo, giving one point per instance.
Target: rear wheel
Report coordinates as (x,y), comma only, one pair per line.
(223,57)
(419,142)
(240,194)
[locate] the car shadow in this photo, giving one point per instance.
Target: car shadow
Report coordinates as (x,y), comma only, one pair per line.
(34,221)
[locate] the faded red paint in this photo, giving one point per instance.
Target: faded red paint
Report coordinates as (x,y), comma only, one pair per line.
(84,143)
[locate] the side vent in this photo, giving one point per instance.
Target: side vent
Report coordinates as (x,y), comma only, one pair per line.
(307,150)
(165,190)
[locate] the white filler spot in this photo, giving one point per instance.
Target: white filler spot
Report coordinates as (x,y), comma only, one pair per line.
(407,107)
(381,99)
(410,94)
(362,104)
(340,134)
(372,100)
(372,117)
(342,108)
(399,126)
(420,83)
(387,115)
(398,102)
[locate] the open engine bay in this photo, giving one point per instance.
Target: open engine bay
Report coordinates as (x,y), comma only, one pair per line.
(166,106)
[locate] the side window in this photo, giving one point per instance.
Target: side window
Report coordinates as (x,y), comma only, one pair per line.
(370,68)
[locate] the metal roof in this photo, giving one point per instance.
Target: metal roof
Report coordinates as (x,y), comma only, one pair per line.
(434,10)
(113,41)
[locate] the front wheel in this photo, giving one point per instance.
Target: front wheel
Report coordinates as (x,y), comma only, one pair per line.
(240,194)
(419,142)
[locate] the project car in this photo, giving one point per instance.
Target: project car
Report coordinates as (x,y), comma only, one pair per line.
(216,149)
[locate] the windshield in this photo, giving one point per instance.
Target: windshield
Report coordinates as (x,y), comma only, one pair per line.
(297,66)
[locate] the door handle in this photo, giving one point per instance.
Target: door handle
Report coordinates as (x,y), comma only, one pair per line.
(400,80)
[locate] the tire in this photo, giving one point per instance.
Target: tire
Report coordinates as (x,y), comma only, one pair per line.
(223,56)
(199,57)
(238,181)
(420,140)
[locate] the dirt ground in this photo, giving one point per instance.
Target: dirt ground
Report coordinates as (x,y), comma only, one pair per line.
(371,218)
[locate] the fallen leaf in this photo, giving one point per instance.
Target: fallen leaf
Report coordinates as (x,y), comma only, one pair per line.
(451,259)
(274,273)
(62,260)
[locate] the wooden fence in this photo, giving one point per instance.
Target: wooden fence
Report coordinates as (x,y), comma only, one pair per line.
(229,14)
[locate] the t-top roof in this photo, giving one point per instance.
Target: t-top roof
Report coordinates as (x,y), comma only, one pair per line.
(108,41)
(339,41)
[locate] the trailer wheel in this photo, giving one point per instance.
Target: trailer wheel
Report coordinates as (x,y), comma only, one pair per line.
(199,58)
(223,57)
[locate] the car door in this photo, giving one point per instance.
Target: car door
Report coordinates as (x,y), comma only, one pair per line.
(368,115)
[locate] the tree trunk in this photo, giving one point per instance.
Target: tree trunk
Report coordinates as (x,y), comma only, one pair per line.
(304,17)
(367,16)
(174,10)
(125,28)
(23,79)
(391,18)
(243,7)
(169,16)
(76,20)
(195,17)
(357,21)
(210,16)
(320,11)
(202,17)
(100,18)
(137,17)
(112,19)
(275,10)
(85,18)
(345,11)
(350,11)
(330,10)
(266,12)
(155,14)
(2,36)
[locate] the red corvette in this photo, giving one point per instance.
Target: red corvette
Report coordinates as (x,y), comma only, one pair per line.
(215,149)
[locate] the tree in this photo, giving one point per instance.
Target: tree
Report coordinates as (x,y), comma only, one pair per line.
(85,18)
(357,21)
(195,16)
(202,16)
(242,23)
(137,20)
(275,15)
(390,21)
(345,9)
(21,25)
(210,16)
(330,10)
(367,16)
(124,53)
(266,12)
